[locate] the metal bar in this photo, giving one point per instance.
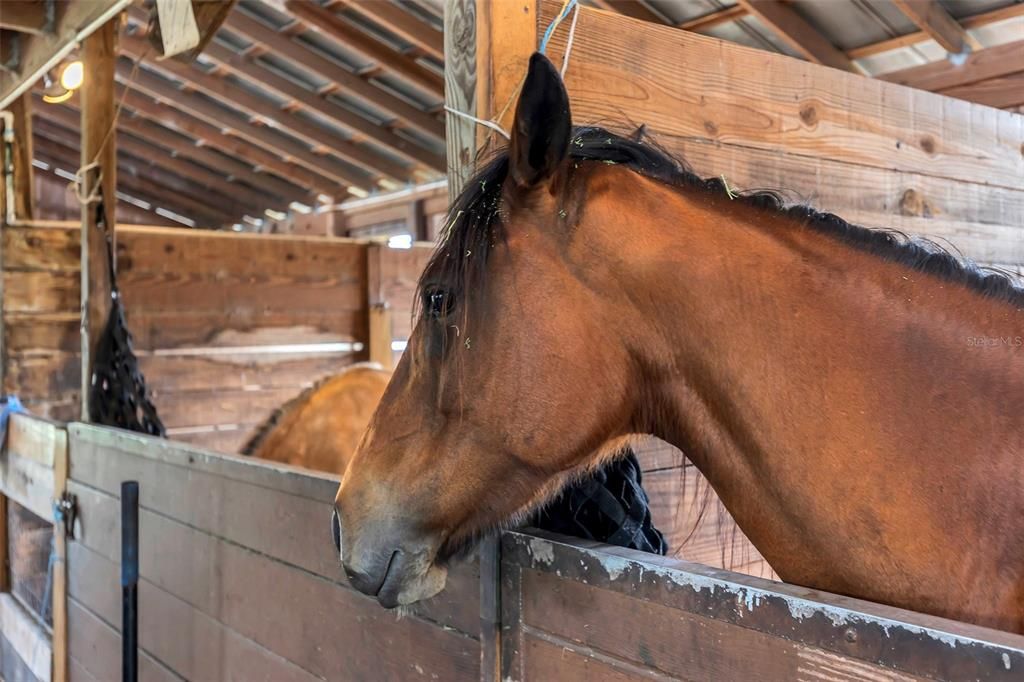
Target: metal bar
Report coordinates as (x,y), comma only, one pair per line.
(129,580)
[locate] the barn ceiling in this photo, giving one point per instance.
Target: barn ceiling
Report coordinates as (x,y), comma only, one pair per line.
(296,102)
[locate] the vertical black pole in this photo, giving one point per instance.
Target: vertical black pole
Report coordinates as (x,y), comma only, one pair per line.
(129,580)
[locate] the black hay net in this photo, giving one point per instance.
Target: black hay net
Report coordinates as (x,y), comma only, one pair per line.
(609,506)
(117,391)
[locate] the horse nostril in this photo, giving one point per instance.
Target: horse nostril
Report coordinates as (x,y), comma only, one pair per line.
(336,530)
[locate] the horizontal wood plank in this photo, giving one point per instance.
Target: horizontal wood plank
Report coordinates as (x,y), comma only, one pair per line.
(754,99)
(27,638)
(251,503)
(240,588)
(188,641)
(649,635)
(27,482)
(95,648)
(36,439)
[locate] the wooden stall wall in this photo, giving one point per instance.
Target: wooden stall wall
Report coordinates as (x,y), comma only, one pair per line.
(875,153)
(227,326)
(579,611)
(239,579)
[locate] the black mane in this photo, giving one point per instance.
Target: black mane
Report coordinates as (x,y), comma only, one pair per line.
(474,222)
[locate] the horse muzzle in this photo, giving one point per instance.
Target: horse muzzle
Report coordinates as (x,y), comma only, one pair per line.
(385,560)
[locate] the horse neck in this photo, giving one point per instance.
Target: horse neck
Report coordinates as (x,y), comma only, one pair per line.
(827,394)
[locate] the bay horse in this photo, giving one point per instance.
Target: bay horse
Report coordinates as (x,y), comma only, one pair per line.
(320,428)
(855,398)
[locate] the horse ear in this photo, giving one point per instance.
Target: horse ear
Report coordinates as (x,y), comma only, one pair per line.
(543,124)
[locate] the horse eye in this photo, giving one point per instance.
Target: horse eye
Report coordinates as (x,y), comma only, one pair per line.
(438,303)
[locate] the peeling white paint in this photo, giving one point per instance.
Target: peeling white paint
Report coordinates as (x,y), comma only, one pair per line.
(542,550)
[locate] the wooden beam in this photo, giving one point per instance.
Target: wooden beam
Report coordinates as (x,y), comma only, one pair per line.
(24,192)
(992,62)
(220,118)
(328,23)
(406,115)
(139,185)
(210,135)
(460,45)
(241,66)
(99,55)
(146,153)
(316,136)
(1005,92)
(40,53)
(798,33)
(393,18)
(142,175)
(933,19)
(33,16)
(633,9)
(968,22)
(712,19)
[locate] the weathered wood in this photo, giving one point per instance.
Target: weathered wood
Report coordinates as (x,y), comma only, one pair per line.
(26,636)
(42,441)
(992,62)
(95,648)
(99,54)
(403,24)
(460,46)
(27,482)
(177,25)
(932,18)
(1003,92)
(798,33)
(792,627)
(24,191)
(802,112)
(184,638)
(27,16)
(351,83)
(5,559)
(327,22)
(222,564)
(41,52)
(54,439)
(235,498)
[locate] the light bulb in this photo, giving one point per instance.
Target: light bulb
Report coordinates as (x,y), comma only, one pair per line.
(72,76)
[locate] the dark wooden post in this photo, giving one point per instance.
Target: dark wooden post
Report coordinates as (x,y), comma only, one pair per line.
(99,55)
(486,46)
(24,206)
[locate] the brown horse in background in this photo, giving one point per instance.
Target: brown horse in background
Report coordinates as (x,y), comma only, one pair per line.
(320,428)
(856,399)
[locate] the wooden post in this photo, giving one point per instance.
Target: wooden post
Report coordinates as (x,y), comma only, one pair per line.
(99,55)
(60,567)
(379,335)
(24,205)
(487,46)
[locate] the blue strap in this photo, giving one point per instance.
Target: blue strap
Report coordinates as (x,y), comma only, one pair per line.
(551,26)
(11,405)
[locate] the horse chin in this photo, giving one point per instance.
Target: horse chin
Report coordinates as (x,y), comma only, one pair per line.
(420,583)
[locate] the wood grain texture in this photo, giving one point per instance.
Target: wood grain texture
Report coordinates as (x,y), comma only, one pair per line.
(650,637)
(745,99)
(27,638)
(460,82)
(229,555)
(24,191)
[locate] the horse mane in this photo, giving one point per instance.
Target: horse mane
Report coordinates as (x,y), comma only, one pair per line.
(474,222)
(263,431)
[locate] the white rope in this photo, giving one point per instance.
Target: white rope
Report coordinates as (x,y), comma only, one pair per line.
(479,121)
(568,43)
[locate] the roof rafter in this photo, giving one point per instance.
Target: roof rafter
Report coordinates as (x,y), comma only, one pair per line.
(933,19)
(991,62)
(243,67)
(314,135)
(399,22)
(317,18)
(798,33)
(405,114)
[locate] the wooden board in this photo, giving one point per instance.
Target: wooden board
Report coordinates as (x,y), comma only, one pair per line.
(628,615)
(226,557)
(26,638)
